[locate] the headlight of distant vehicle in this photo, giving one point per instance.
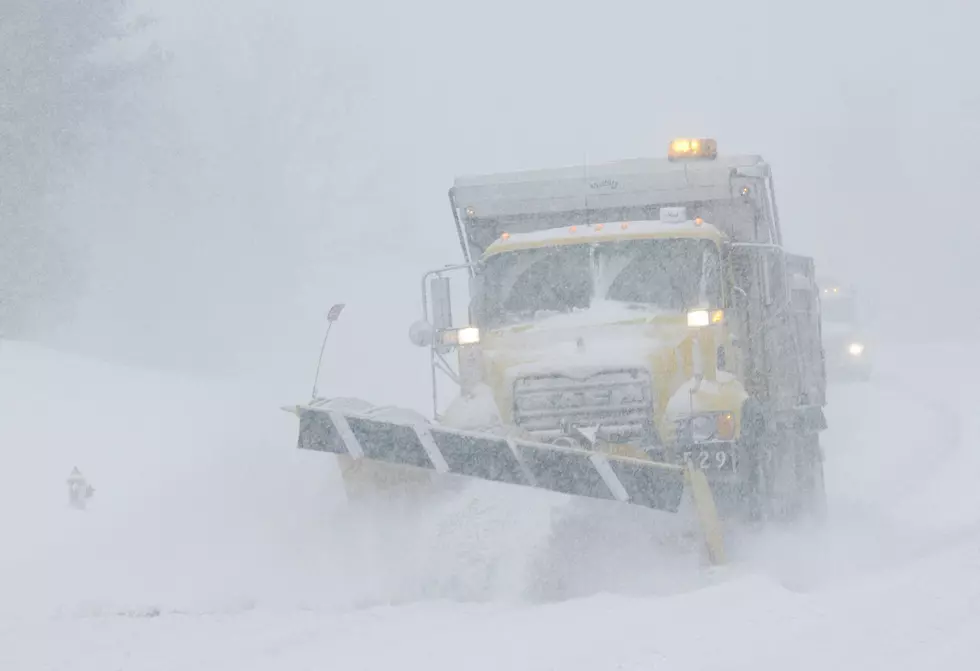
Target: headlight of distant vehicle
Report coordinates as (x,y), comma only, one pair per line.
(855,349)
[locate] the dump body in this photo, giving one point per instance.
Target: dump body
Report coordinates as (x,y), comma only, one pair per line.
(631,190)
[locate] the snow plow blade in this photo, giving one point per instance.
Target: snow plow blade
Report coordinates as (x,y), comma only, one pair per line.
(572,471)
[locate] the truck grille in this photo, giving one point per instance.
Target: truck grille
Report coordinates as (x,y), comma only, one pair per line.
(618,401)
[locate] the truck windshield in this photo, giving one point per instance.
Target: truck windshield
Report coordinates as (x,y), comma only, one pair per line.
(669,275)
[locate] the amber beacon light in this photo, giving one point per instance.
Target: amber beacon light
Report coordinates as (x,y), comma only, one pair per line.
(687,148)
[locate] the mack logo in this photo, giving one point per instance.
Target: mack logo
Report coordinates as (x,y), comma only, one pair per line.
(606,183)
(578,399)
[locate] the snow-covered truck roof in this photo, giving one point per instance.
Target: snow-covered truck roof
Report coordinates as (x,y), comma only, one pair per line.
(605,232)
(638,181)
(627,190)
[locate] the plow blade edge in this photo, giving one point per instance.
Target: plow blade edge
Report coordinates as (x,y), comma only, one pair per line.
(572,471)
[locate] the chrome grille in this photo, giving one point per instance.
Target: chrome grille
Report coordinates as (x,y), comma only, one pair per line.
(619,402)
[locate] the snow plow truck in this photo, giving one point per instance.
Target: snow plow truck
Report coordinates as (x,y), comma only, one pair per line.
(634,331)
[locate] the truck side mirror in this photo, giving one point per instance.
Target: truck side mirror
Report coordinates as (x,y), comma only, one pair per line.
(442,307)
(735,294)
(422,334)
(476,299)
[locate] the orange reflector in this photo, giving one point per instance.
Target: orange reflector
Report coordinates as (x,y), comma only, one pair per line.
(698,221)
(573,229)
(725,429)
(599,227)
(624,225)
(504,236)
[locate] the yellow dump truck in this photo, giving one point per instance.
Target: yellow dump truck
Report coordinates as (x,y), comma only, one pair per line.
(632,330)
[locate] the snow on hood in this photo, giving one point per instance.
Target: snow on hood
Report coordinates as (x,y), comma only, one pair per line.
(609,335)
(593,355)
(600,313)
(476,411)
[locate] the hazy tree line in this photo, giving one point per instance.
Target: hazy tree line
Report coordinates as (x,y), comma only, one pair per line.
(59,92)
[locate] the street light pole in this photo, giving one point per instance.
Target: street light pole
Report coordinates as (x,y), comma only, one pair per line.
(332,317)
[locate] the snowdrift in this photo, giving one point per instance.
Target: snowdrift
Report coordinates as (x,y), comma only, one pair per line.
(212,542)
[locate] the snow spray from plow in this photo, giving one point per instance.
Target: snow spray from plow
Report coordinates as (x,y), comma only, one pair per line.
(420,447)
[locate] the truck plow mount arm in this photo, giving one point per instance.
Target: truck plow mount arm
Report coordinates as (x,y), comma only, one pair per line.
(577,472)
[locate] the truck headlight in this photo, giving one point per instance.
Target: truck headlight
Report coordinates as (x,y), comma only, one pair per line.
(699,318)
(855,349)
(704,427)
(468,335)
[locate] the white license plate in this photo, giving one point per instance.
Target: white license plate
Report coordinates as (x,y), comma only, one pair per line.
(707,459)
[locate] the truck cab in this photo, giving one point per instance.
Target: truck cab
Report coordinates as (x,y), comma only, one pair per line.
(644,308)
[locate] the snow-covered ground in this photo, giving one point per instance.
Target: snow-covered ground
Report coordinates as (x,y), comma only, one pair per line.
(212,543)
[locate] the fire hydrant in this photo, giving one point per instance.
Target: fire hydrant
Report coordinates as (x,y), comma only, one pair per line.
(79,490)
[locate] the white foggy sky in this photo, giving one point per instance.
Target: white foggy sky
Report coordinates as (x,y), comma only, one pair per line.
(298,153)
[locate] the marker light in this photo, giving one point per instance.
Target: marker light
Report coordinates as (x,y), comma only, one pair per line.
(504,236)
(599,227)
(855,349)
(726,426)
(470,211)
(684,147)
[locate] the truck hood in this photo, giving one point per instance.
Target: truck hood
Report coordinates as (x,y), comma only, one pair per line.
(584,342)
